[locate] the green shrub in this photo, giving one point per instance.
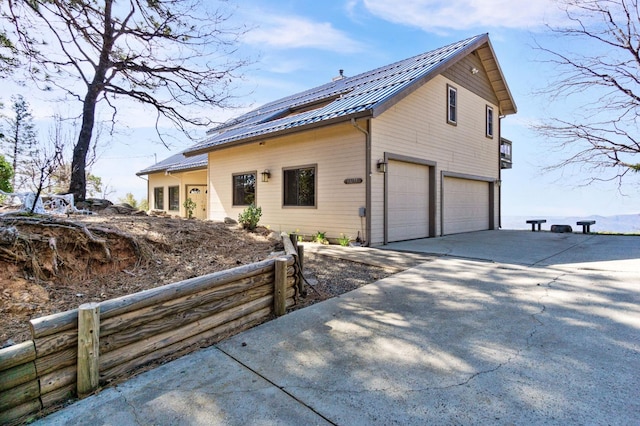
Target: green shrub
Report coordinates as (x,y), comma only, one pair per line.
(189,206)
(250,217)
(320,237)
(344,240)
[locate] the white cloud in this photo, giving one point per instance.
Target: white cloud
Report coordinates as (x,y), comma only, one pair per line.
(439,15)
(291,32)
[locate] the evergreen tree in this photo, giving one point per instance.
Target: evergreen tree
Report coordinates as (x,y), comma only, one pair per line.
(19,142)
(6,175)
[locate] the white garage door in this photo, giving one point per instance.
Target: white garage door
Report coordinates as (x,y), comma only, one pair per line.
(408,201)
(466,205)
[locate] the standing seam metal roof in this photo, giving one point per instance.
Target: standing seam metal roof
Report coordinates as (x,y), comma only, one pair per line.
(177,163)
(353,95)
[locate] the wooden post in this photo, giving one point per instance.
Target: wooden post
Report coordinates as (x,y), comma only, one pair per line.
(88,348)
(280,287)
(300,257)
(300,277)
(294,240)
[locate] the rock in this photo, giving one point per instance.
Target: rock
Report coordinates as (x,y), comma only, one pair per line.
(93,204)
(230,221)
(561,228)
(8,235)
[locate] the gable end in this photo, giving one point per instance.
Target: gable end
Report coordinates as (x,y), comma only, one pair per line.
(461,73)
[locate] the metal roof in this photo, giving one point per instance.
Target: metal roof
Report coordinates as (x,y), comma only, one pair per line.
(177,163)
(364,95)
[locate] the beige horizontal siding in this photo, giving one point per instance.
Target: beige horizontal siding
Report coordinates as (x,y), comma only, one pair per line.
(417,127)
(196,177)
(338,152)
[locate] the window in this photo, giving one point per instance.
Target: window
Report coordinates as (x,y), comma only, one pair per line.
(174,198)
(452,105)
(158,198)
(244,189)
(300,186)
(489,122)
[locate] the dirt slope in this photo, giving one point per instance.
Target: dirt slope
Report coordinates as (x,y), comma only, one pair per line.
(52,265)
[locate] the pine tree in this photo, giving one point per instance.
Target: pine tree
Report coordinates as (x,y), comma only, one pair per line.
(6,174)
(19,141)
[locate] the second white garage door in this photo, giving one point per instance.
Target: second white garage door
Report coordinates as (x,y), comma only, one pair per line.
(408,198)
(466,205)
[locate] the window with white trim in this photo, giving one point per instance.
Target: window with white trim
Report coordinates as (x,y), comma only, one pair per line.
(452,105)
(489,123)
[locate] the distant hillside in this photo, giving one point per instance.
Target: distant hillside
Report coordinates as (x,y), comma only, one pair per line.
(628,223)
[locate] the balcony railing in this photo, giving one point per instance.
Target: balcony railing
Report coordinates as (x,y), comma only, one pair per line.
(505,154)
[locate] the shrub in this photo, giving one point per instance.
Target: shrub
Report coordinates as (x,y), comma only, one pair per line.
(320,237)
(250,217)
(344,240)
(189,206)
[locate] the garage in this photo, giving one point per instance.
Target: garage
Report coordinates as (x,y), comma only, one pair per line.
(466,205)
(407,201)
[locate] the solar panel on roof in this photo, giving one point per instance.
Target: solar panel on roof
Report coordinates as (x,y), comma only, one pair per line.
(359,93)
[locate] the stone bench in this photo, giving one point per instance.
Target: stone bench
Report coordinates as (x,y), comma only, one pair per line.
(535,222)
(586,225)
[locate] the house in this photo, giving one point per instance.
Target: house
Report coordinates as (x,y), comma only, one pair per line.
(173,180)
(409,150)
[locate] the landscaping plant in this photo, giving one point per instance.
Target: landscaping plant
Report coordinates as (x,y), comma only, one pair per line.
(344,240)
(190,206)
(250,217)
(320,238)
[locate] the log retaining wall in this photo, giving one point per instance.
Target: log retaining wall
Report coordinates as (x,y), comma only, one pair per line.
(66,359)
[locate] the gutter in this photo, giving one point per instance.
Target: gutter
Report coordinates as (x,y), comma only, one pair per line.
(367,216)
(287,131)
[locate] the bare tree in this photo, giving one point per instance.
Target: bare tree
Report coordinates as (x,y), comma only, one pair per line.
(170,55)
(62,134)
(46,160)
(600,62)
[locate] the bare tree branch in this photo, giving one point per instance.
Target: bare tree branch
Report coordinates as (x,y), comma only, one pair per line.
(170,55)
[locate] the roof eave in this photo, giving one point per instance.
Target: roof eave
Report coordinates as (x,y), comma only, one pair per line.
(187,169)
(244,141)
(501,88)
(148,172)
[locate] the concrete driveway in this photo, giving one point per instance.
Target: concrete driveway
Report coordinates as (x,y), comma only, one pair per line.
(479,333)
(582,251)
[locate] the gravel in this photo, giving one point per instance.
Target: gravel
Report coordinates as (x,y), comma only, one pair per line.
(329,277)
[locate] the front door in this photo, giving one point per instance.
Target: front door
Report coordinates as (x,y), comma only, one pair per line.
(198,194)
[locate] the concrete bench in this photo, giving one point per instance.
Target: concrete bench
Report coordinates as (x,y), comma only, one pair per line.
(535,222)
(586,225)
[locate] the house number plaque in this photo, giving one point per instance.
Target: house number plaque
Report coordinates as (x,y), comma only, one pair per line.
(351,181)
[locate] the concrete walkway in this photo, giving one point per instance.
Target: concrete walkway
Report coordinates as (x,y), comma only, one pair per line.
(476,335)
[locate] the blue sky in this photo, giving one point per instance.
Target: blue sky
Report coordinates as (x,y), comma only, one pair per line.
(299,44)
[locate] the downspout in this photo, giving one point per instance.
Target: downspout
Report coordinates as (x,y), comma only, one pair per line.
(500,117)
(367,179)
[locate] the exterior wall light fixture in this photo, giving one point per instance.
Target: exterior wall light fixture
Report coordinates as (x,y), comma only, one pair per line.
(266,175)
(381,166)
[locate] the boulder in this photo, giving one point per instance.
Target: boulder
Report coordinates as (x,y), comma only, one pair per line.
(561,228)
